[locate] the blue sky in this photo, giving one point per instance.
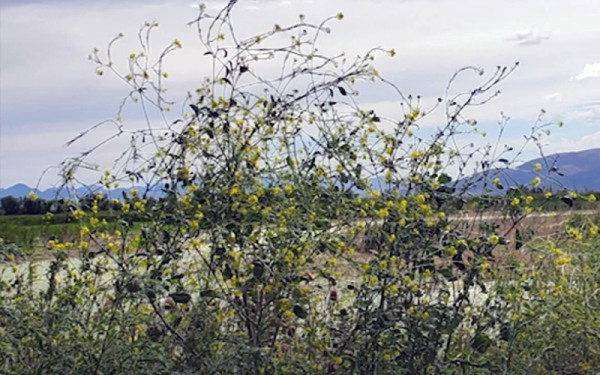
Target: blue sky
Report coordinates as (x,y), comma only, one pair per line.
(49,91)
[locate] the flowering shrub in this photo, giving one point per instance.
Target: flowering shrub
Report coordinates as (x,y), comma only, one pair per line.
(272,250)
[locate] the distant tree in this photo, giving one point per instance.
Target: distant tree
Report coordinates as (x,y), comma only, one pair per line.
(11,205)
(34,206)
(104,204)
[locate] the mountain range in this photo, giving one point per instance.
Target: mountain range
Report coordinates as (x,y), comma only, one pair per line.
(575,171)
(22,190)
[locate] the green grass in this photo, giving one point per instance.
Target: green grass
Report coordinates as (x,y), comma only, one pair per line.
(31,237)
(61,218)
(30,232)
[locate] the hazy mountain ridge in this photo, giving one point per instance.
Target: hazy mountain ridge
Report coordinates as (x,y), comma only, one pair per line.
(575,171)
(580,171)
(21,191)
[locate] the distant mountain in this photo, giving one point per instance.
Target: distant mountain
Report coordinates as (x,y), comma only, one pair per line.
(17,191)
(579,171)
(575,171)
(22,191)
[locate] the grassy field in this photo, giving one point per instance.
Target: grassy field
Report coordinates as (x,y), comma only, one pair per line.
(31,232)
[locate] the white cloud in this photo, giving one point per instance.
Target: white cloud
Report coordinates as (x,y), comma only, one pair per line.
(586,142)
(589,71)
(528,37)
(555,97)
(588,115)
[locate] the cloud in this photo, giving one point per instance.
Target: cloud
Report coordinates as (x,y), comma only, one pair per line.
(586,142)
(589,71)
(528,37)
(588,115)
(555,97)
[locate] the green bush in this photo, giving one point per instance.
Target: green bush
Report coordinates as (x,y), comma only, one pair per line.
(250,263)
(10,251)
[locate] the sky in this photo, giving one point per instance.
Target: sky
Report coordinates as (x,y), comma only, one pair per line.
(49,91)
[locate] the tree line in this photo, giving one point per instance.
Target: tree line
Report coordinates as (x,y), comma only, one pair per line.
(11,205)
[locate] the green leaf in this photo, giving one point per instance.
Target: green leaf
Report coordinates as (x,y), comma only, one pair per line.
(505,332)
(259,270)
(300,312)
(227,272)
(180,297)
(447,273)
(481,343)
(444,178)
(132,287)
(208,293)
(518,240)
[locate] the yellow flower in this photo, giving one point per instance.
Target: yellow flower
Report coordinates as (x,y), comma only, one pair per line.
(537,167)
(592,198)
(451,250)
(563,260)
(383,213)
(252,200)
(535,182)
(403,206)
(493,240)
(32,196)
(585,366)
(139,206)
(177,43)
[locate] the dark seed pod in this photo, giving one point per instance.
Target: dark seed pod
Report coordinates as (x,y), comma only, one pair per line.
(333,295)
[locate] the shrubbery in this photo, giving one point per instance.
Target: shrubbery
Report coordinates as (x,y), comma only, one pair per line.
(263,259)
